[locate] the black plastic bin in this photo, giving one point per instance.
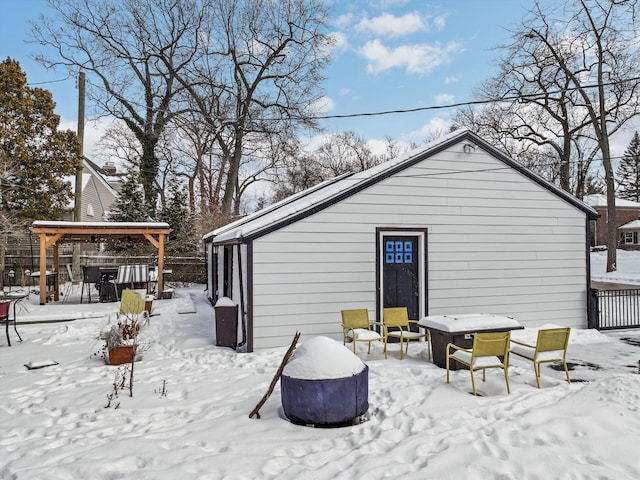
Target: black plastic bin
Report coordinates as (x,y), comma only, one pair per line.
(226,323)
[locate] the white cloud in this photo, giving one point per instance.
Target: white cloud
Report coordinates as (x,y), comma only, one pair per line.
(344,91)
(316,141)
(93,132)
(450,80)
(419,58)
(389,4)
(444,99)
(388,25)
(379,146)
(436,127)
(439,22)
(323,105)
(340,41)
(344,21)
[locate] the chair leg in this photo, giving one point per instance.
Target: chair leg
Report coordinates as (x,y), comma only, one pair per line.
(536,370)
(385,348)
(369,349)
(566,371)
(473,382)
(447,363)
(506,379)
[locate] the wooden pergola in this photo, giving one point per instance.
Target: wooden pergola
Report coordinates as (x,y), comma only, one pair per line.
(52,234)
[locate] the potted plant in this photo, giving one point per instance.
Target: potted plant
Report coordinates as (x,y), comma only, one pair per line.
(121,341)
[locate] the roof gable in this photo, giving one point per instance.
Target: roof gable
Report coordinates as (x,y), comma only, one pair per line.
(329,193)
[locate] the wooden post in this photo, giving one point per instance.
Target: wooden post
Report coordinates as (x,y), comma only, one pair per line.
(287,356)
(56,273)
(160,265)
(43,269)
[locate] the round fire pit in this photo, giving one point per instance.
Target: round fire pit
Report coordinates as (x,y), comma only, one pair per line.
(324,384)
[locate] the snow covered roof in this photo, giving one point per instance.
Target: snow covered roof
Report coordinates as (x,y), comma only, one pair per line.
(599,200)
(72,180)
(330,192)
(278,205)
(632,225)
(100,232)
(53,224)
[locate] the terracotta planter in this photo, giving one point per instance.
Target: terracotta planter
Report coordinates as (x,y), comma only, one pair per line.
(120,355)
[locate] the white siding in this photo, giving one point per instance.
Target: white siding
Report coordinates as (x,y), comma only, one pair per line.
(497,243)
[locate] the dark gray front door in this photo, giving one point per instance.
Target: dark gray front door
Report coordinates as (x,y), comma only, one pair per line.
(400,277)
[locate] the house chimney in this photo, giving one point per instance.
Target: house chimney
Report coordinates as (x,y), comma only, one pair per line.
(109,168)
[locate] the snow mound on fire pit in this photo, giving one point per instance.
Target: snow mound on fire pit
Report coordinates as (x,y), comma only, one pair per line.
(322,358)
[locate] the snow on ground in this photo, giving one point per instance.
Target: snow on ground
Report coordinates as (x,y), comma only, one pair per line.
(628,267)
(189,414)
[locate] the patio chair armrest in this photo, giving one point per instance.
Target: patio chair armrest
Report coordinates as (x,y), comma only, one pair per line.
(449,345)
(379,324)
(417,322)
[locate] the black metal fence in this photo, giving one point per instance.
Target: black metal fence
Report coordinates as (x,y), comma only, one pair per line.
(617,309)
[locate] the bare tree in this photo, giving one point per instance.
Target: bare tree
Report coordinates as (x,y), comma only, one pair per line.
(126,48)
(338,154)
(259,77)
(196,144)
(570,78)
(347,152)
(298,172)
(599,55)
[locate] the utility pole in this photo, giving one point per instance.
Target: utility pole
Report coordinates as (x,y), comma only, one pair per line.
(77,211)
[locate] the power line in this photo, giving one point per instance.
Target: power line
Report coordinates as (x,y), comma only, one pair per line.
(533,96)
(510,98)
(31,84)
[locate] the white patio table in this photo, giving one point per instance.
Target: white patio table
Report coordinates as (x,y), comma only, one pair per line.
(459,330)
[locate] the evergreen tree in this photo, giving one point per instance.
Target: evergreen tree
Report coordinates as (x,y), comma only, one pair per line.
(183,239)
(130,207)
(34,156)
(628,174)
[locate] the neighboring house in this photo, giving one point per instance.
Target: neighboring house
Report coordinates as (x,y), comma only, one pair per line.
(98,192)
(627,215)
(453,227)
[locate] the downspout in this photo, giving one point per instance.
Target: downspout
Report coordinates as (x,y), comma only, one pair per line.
(592,294)
(243,318)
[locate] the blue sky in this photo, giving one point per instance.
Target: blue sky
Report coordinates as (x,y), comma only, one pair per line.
(390,55)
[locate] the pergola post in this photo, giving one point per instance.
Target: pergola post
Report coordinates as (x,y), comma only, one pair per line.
(160,264)
(43,269)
